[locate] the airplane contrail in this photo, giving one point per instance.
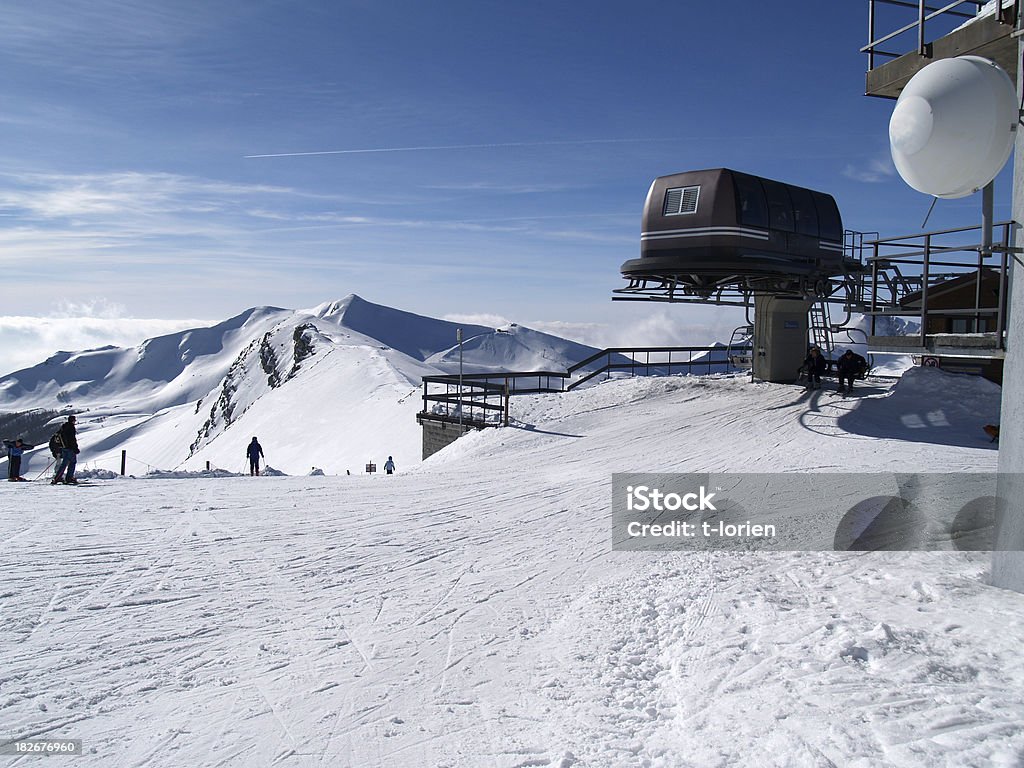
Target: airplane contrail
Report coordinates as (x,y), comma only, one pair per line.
(457,146)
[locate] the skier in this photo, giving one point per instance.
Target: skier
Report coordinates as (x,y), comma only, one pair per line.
(389,465)
(68,454)
(814,365)
(849,366)
(255,453)
(14,451)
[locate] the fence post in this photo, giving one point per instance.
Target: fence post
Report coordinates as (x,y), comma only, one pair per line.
(124,460)
(507,401)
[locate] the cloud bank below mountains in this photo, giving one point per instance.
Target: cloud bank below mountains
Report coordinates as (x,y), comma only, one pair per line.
(27,341)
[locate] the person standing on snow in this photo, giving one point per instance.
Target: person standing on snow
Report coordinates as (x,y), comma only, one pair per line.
(68,454)
(255,453)
(389,465)
(14,451)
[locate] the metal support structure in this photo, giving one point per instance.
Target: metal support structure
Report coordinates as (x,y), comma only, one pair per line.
(997,37)
(458,337)
(924,289)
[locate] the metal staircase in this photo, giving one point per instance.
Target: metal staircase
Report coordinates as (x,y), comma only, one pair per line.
(821,330)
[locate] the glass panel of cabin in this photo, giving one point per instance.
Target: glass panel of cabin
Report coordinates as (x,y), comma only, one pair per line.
(751,206)
(804,213)
(830,226)
(780,207)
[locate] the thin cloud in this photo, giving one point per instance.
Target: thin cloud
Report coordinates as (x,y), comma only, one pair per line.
(876,171)
(486,319)
(447,147)
(54,196)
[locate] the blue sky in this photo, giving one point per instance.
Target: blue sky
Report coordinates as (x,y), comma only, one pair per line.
(129,190)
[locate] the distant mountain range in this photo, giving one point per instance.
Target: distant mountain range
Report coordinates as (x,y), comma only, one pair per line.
(332,387)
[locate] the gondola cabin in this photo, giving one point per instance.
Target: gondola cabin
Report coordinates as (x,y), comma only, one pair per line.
(703,228)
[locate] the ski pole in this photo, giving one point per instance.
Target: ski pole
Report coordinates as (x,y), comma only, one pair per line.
(47,469)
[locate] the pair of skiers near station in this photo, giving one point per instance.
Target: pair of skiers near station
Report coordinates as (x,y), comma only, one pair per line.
(254,452)
(63,446)
(849,366)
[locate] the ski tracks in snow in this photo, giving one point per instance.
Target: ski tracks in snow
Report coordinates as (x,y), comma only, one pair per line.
(454,616)
(719,659)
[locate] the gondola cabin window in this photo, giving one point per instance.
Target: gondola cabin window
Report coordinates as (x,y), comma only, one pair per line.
(830,225)
(750,202)
(681,200)
(804,213)
(780,207)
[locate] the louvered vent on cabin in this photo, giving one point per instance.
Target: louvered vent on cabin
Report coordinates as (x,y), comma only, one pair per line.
(681,200)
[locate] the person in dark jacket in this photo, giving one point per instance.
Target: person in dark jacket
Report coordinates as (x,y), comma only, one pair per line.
(850,365)
(14,451)
(815,364)
(255,453)
(68,454)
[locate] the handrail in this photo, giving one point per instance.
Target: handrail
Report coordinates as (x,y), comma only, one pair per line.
(922,17)
(629,350)
(891,292)
(632,365)
(485,385)
(881,240)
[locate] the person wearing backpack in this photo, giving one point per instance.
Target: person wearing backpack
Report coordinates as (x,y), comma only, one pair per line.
(68,454)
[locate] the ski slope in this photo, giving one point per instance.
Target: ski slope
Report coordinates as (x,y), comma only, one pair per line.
(469,610)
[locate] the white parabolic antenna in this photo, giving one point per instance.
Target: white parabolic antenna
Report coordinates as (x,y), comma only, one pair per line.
(953,127)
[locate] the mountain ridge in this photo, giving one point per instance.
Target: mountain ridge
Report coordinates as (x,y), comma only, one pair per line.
(338,376)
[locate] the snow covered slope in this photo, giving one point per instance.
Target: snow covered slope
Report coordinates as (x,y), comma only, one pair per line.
(332,387)
(470,612)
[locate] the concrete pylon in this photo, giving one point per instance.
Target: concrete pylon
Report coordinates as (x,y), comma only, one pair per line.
(1008,557)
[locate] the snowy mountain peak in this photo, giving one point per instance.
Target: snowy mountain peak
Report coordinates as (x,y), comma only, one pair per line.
(340,375)
(334,311)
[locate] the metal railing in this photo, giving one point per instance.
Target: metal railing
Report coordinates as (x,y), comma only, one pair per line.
(924,13)
(695,357)
(480,400)
(904,273)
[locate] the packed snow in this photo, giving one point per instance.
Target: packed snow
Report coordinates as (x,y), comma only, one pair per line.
(469,610)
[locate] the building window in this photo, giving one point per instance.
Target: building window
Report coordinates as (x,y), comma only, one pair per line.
(681,200)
